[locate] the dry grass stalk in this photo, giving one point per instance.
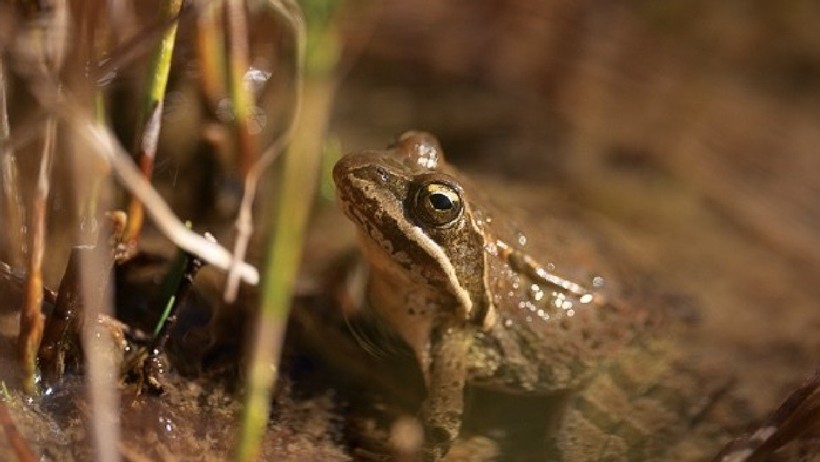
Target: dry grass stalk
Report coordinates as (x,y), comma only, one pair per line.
(12,206)
(290,11)
(151,115)
(241,96)
(32,319)
(40,49)
(103,143)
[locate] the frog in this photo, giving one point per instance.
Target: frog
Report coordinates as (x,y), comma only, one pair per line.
(456,281)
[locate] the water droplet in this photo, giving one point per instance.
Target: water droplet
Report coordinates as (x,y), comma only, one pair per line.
(598,282)
(167,424)
(536,292)
(106,79)
(255,79)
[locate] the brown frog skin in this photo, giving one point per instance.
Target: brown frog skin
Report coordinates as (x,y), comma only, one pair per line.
(457,285)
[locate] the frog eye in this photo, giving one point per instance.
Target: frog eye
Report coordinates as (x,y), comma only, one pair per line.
(438,204)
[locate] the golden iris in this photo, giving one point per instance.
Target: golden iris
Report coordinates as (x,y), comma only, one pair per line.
(438,204)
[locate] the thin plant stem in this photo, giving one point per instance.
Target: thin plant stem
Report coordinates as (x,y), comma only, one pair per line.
(31,318)
(96,37)
(138,46)
(290,11)
(150,118)
(240,93)
(295,198)
(211,52)
(104,144)
(9,177)
(100,383)
(40,61)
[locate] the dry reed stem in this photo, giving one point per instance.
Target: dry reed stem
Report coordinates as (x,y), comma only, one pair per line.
(12,206)
(296,195)
(40,49)
(32,319)
(105,144)
(241,96)
(150,118)
(211,53)
(291,12)
(101,361)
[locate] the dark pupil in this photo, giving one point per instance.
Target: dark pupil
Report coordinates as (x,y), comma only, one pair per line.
(440,201)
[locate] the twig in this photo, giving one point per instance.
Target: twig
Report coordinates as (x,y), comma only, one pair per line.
(183,271)
(106,145)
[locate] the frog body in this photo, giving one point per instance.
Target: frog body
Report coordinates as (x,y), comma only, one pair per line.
(457,283)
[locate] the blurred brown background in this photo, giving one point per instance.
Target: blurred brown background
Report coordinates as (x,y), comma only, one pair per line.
(693,125)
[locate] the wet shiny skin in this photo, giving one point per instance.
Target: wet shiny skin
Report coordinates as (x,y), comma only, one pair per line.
(455,281)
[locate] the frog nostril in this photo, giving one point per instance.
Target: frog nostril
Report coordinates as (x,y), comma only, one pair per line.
(439,435)
(382,174)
